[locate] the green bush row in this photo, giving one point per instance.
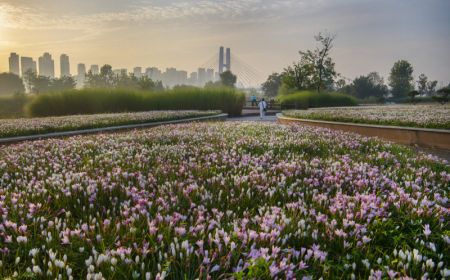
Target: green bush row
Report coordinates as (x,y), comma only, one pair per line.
(93,101)
(12,106)
(309,99)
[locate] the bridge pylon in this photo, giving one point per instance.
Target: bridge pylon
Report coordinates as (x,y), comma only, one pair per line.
(224,61)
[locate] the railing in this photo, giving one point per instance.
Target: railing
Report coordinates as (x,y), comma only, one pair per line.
(254,105)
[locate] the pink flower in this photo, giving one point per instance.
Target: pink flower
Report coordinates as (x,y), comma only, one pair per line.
(180,231)
(426,230)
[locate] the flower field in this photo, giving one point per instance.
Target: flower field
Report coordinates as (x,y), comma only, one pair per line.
(427,116)
(32,126)
(221,201)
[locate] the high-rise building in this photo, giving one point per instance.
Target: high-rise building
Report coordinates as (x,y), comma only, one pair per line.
(94,69)
(209,75)
(14,65)
(153,73)
(137,72)
(193,79)
(65,65)
(81,75)
(201,76)
(27,64)
(81,69)
(46,65)
(181,77)
(120,72)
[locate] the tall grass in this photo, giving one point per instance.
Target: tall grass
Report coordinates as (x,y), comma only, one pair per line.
(12,106)
(309,99)
(92,101)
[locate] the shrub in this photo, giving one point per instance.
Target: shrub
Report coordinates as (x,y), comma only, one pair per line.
(12,106)
(92,101)
(308,99)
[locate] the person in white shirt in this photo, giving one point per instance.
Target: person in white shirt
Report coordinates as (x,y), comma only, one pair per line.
(262,108)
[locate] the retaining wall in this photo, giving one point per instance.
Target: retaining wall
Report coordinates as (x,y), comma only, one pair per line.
(430,138)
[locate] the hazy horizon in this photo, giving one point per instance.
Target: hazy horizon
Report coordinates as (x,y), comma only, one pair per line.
(371,35)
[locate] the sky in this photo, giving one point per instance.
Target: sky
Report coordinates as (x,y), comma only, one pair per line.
(265,34)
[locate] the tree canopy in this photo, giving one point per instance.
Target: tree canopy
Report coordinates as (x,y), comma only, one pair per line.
(315,69)
(366,86)
(228,79)
(10,84)
(401,78)
(271,86)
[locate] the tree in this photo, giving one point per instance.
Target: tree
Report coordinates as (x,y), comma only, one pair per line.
(340,84)
(315,69)
(36,84)
(443,95)
(401,79)
(323,63)
(10,84)
(412,95)
(126,81)
(422,84)
(106,78)
(228,79)
(370,85)
(271,86)
(145,83)
(431,87)
(63,83)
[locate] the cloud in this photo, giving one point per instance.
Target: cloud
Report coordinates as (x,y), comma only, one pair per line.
(27,17)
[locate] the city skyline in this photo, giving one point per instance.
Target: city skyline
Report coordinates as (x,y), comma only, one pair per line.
(170,77)
(371,35)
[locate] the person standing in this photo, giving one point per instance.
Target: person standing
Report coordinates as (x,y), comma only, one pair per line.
(262,108)
(253,99)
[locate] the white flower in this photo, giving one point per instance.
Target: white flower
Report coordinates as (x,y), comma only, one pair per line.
(37,270)
(33,252)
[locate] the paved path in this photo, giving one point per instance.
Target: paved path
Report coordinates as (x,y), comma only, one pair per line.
(253,119)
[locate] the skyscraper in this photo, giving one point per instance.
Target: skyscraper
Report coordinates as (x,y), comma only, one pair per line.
(27,64)
(209,75)
(46,65)
(14,64)
(137,72)
(65,65)
(153,73)
(81,75)
(94,69)
(193,79)
(81,69)
(201,76)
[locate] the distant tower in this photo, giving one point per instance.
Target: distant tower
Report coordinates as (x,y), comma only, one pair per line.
(14,64)
(201,76)
(81,75)
(27,64)
(221,60)
(46,65)
(228,66)
(224,66)
(65,65)
(209,75)
(94,69)
(137,72)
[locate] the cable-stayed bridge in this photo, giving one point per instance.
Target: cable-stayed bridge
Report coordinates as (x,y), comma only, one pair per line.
(224,60)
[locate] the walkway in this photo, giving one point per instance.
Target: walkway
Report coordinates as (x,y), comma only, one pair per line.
(253,119)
